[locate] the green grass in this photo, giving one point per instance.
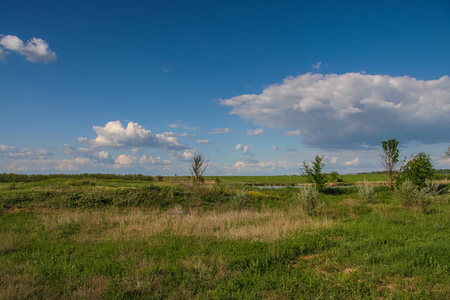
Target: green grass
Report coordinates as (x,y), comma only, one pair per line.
(151,241)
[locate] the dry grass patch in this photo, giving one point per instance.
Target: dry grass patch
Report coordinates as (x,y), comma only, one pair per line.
(92,288)
(266,225)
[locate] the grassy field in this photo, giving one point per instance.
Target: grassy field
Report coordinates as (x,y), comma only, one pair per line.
(121,239)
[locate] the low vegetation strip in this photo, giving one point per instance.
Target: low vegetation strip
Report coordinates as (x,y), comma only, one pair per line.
(112,238)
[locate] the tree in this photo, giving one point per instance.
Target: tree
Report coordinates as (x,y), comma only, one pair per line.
(447,154)
(314,173)
(390,157)
(334,177)
(198,167)
(418,170)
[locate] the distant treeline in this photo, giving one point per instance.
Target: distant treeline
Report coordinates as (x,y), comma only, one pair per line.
(11,177)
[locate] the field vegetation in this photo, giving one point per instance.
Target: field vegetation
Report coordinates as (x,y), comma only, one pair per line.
(94,237)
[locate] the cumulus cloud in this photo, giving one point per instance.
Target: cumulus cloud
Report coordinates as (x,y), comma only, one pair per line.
(350,110)
(148,160)
(124,161)
(334,160)
(353,162)
(93,155)
(115,136)
(220,130)
(35,50)
(203,142)
(274,147)
(255,132)
(186,155)
(24,153)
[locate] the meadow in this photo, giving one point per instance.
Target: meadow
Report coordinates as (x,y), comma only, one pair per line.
(92,238)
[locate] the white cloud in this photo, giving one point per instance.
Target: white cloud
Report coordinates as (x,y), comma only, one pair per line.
(290,133)
(255,132)
(182,125)
(186,155)
(317,65)
(334,160)
(353,162)
(124,161)
(185,134)
(220,130)
(93,155)
(148,160)
(115,136)
(274,148)
(71,164)
(35,50)
(203,142)
(346,111)
(25,153)
(253,167)
(243,148)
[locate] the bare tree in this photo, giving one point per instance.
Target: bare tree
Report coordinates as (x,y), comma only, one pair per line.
(447,154)
(198,167)
(390,158)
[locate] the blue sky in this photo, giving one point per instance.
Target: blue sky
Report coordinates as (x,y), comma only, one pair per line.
(256,87)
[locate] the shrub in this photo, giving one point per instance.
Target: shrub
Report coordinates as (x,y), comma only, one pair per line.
(418,170)
(239,199)
(366,192)
(409,195)
(406,193)
(309,199)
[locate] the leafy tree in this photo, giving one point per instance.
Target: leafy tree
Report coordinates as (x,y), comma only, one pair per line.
(418,170)
(198,167)
(314,173)
(334,177)
(390,157)
(447,154)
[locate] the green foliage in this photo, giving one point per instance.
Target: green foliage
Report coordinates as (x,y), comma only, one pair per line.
(366,192)
(418,170)
(309,199)
(390,158)
(314,173)
(334,177)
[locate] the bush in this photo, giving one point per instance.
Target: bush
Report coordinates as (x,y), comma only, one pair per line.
(418,170)
(409,195)
(366,192)
(309,199)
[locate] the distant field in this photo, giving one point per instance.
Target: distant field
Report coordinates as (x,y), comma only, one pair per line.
(292,179)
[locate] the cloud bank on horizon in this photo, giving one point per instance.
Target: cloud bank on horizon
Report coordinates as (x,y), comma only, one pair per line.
(352,110)
(34,50)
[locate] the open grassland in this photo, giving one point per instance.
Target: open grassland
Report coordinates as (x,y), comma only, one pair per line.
(95,239)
